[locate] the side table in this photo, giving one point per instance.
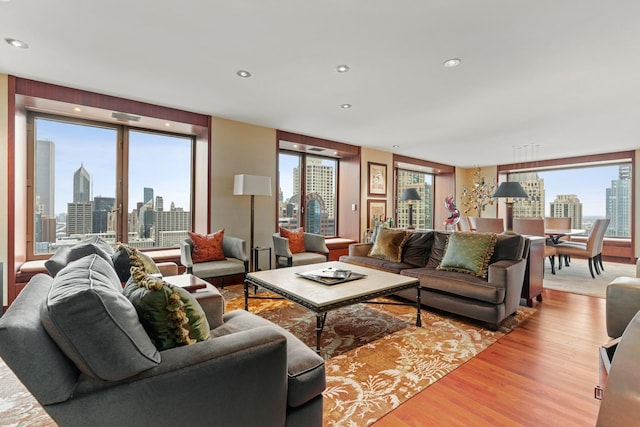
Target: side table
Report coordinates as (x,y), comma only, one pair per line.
(256,258)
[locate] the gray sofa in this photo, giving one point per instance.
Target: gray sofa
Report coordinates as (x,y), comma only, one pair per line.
(77,344)
(490,299)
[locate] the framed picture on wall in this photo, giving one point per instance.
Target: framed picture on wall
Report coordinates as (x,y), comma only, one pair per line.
(377,179)
(376,210)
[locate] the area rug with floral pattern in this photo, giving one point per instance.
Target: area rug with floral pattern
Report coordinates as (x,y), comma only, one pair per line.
(376,357)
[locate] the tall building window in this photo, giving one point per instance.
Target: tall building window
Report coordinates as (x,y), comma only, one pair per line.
(422,210)
(82,176)
(582,193)
(307,195)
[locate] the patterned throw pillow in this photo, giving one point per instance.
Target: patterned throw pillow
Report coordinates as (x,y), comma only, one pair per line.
(171,316)
(296,239)
(207,247)
(126,257)
(389,244)
(469,252)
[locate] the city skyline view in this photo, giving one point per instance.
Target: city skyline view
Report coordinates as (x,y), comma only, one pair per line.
(94,148)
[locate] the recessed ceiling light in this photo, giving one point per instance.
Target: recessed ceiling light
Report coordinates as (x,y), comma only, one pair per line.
(17,43)
(453,62)
(396,146)
(244,73)
(345,106)
(342,68)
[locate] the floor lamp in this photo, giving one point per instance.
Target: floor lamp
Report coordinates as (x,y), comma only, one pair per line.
(251,185)
(510,190)
(409,195)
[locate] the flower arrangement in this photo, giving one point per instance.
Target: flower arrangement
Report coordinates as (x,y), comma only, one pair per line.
(479,196)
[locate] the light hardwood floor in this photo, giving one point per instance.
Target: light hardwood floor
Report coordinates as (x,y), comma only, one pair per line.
(541,374)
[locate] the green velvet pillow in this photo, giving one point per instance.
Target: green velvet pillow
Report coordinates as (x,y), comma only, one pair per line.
(171,316)
(469,253)
(389,244)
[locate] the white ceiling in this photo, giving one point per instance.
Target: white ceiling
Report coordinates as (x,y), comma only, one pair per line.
(539,79)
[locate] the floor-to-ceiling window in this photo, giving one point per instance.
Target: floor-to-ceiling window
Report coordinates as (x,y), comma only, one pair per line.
(111,180)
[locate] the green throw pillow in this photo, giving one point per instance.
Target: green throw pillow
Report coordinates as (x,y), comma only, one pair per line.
(171,316)
(389,244)
(469,253)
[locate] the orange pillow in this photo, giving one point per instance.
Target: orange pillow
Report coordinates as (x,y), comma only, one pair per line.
(296,239)
(207,247)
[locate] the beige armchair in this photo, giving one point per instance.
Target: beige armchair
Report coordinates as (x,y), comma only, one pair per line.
(236,262)
(315,251)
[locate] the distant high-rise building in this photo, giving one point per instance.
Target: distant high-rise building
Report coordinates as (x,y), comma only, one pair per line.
(79,218)
(171,226)
(102,207)
(147,196)
(618,204)
(422,216)
(568,205)
(320,192)
(159,203)
(533,206)
(45,177)
(81,186)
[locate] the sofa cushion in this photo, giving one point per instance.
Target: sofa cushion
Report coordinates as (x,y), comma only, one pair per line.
(88,246)
(469,252)
(94,324)
(66,254)
(296,239)
(171,316)
(457,284)
(376,263)
(509,247)
(417,248)
(389,244)
(207,247)
(437,248)
(57,261)
(126,257)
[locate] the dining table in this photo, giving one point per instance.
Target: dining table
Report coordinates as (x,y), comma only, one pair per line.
(556,233)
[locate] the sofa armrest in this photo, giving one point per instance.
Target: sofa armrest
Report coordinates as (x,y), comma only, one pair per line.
(185,254)
(360,249)
(622,303)
(235,247)
(315,243)
(281,246)
(210,380)
(509,275)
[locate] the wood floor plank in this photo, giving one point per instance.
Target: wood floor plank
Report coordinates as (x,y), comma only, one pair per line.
(542,373)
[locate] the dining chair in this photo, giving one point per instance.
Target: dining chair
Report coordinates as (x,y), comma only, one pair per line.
(472,222)
(463,224)
(535,227)
(559,223)
(592,249)
(492,225)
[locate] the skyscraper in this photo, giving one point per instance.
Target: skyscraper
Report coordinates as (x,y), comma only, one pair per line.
(618,204)
(533,206)
(45,177)
(147,196)
(568,205)
(81,186)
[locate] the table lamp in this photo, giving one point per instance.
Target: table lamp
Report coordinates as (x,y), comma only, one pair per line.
(409,195)
(510,190)
(252,185)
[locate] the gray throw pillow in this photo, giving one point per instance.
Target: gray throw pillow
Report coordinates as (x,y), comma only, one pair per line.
(58,261)
(94,324)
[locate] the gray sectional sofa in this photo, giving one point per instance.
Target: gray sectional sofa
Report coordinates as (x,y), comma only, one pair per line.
(84,351)
(490,299)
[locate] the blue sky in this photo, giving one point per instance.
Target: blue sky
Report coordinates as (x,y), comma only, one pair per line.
(157,161)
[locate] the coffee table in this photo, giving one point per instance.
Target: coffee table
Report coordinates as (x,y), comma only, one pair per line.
(321,298)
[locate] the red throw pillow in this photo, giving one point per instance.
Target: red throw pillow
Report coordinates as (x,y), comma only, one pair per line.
(296,239)
(207,247)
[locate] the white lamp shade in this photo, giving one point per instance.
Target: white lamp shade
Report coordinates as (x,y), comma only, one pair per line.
(252,185)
